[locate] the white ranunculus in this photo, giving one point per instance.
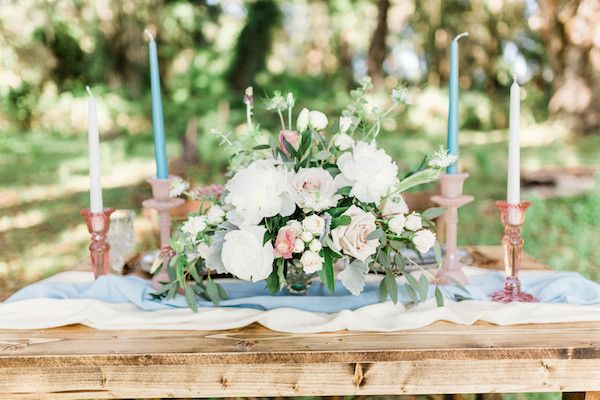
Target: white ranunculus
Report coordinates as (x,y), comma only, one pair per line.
(315,245)
(345,124)
(203,250)
(314,224)
(351,239)
(307,236)
(317,120)
(296,226)
(413,222)
(343,142)
(311,261)
(178,186)
(370,172)
(313,189)
(245,256)
(396,223)
(260,190)
(302,121)
(393,204)
(299,245)
(441,159)
(194,225)
(215,215)
(424,240)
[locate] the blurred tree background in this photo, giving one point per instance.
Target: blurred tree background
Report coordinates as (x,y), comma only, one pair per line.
(210,50)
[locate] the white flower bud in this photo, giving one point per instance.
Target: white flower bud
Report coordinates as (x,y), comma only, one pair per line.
(307,236)
(413,222)
(345,124)
(315,245)
(396,224)
(317,120)
(302,121)
(343,142)
(298,246)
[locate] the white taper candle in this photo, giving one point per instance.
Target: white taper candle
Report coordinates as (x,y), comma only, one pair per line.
(514,164)
(94,156)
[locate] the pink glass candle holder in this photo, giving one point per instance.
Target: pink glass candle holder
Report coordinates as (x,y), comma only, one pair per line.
(451,197)
(513,217)
(162,202)
(97,224)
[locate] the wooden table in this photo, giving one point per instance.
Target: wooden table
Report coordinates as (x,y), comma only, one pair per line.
(79,362)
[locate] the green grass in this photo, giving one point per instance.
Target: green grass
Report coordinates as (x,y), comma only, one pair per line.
(44,184)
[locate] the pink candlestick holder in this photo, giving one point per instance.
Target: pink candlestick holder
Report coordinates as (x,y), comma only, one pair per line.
(513,217)
(162,202)
(451,198)
(98,224)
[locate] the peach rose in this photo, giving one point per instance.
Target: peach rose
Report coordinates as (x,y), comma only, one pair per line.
(291,137)
(285,242)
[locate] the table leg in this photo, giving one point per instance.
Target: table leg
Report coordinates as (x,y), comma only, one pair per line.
(581,396)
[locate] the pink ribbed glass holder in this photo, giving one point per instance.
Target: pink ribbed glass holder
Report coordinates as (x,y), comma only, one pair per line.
(451,197)
(97,224)
(162,202)
(513,217)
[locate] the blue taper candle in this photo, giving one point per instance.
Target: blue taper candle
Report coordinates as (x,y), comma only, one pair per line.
(158,124)
(453,107)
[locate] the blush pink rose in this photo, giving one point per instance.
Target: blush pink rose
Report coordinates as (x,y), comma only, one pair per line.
(284,243)
(291,137)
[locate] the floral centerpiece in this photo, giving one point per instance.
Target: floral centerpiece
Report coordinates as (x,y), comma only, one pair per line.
(308,205)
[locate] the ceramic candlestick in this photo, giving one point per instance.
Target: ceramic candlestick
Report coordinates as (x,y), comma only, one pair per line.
(513,217)
(451,198)
(97,224)
(162,202)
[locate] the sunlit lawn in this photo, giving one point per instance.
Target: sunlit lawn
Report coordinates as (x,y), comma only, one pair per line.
(44,183)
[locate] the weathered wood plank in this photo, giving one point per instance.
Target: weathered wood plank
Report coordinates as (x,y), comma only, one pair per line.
(293,379)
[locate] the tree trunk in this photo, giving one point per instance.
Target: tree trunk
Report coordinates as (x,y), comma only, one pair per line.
(189,142)
(568,31)
(378,48)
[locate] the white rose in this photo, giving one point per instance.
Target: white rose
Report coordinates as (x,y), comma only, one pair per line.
(311,262)
(370,172)
(260,190)
(203,250)
(307,236)
(313,189)
(296,226)
(194,225)
(345,124)
(215,215)
(413,222)
(317,120)
(315,245)
(393,204)
(299,246)
(302,121)
(245,256)
(343,142)
(352,239)
(424,240)
(396,223)
(314,224)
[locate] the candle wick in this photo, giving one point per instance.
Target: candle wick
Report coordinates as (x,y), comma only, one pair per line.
(89,91)
(461,35)
(515,78)
(149,35)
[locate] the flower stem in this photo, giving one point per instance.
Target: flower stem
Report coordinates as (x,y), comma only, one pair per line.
(281,119)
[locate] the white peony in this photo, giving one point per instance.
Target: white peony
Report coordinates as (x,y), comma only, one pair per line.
(302,121)
(313,189)
(315,245)
(413,222)
(424,240)
(215,215)
(314,224)
(203,250)
(260,190)
(245,256)
(317,120)
(396,223)
(194,225)
(311,261)
(345,125)
(343,142)
(370,172)
(352,239)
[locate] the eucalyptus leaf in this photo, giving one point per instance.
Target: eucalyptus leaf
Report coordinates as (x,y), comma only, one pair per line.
(342,220)
(433,213)
(437,250)
(212,291)
(383,294)
(423,286)
(190,298)
(412,294)
(354,276)
(391,286)
(194,272)
(439,297)
(376,234)
(261,147)
(326,273)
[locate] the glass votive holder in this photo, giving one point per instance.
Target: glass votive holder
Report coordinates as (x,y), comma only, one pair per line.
(121,237)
